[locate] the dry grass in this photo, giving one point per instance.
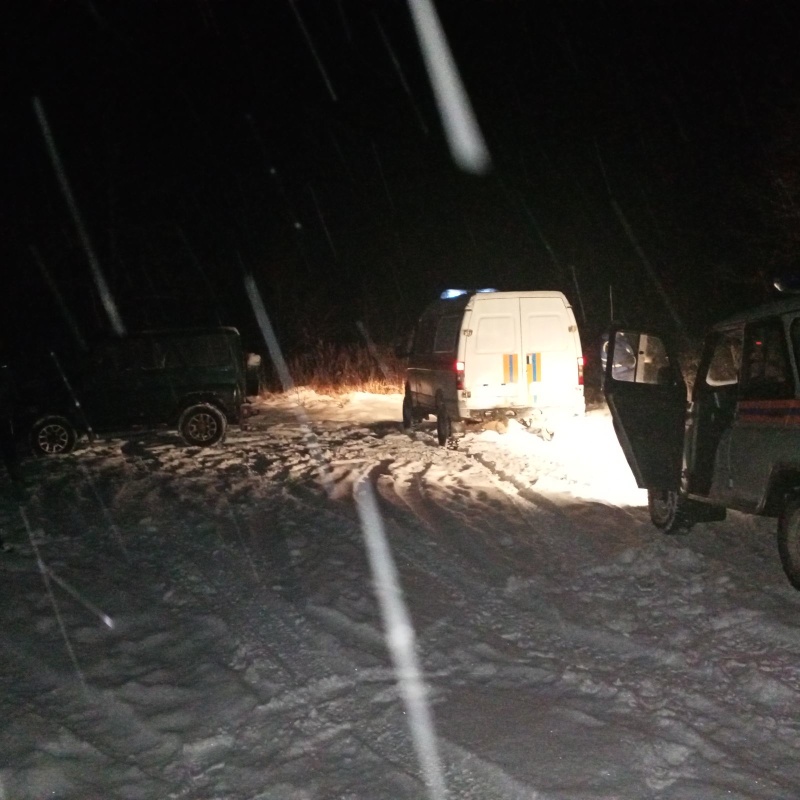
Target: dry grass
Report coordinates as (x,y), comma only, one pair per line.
(335,369)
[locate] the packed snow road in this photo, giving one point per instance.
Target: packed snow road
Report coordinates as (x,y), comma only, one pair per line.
(191,624)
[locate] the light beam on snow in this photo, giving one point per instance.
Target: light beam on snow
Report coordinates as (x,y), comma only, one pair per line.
(97,273)
(460,126)
(46,578)
(285,377)
(313,49)
(400,638)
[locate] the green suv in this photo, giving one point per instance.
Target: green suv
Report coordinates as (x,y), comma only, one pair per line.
(736,444)
(191,380)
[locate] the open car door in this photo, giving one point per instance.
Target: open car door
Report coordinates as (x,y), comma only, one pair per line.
(646,394)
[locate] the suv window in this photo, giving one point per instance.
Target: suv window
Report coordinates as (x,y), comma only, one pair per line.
(766,373)
(199,351)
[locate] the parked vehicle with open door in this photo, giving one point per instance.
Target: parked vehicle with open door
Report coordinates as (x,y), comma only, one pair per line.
(736,444)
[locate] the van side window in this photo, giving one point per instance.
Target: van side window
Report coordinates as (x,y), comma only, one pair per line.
(495,335)
(423,338)
(726,358)
(447,331)
(765,370)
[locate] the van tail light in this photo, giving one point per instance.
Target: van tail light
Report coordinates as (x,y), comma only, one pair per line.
(459,374)
(580,370)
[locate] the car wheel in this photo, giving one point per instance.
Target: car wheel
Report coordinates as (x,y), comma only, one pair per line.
(789,541)
(408,410)
(202,425)
(53,436)
(444,427)
(668,511)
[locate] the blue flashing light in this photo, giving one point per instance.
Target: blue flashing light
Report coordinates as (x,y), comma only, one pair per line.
(449,294)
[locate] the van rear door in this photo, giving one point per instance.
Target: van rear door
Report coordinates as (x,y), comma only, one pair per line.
(550,352)
(493,364)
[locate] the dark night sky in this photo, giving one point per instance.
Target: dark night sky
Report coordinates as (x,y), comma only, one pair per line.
(201,140)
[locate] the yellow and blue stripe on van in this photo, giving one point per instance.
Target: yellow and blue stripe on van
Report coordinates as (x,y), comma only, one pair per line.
(533,364)
(510,368)
(533,367)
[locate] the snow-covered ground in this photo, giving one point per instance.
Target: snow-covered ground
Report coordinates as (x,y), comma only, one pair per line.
(203,625)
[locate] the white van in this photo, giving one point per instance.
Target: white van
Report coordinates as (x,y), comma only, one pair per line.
(486,355)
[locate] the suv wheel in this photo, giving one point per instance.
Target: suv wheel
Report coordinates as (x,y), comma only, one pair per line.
(202,425)
(789,541)
(668,511)
(53,436)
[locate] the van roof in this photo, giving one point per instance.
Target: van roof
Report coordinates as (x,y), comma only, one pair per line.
(518,294)
(460,302)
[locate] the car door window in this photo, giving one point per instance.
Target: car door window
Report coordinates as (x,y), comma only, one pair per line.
(640,358)
(725,360)
(766,373)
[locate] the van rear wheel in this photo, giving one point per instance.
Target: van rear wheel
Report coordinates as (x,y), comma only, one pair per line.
(668,511)
(444,426)
(789,541)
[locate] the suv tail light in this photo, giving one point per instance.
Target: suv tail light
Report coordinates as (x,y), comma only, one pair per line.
(459,374)
(580,370)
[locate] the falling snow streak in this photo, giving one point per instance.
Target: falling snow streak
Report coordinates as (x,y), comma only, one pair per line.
(285,377)
(244,546)
(400,638)
(649,268)
(461,128)
(323,222)
(46,578)
(59,298)
(313,49)
(106,513)
(373,350)
(383,177)
(97,273)
(73,396)
(401,75)
(101,615)
(345,24)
